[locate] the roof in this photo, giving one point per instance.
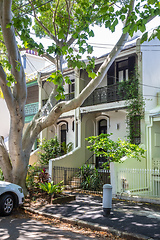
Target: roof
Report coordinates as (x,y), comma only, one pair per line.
(51,68)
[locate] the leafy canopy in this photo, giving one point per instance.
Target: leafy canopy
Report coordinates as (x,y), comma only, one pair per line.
(67,23)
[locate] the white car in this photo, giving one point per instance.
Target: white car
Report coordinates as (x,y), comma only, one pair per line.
(11,196)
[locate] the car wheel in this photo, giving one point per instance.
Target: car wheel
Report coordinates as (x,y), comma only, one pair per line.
(6,204)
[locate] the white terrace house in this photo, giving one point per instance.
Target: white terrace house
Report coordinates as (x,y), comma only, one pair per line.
(104,111)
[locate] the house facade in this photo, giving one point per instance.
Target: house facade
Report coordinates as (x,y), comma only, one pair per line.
(104,111)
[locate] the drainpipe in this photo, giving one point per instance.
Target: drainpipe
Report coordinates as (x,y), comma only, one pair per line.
(77,114)
(149,142)
(40,97)
(40,89)
(146,139)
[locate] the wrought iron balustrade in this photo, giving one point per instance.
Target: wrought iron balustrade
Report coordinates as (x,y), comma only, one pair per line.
(69,96)
(105,94)
(31,109)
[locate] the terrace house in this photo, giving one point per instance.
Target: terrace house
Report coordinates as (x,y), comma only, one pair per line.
(104,111)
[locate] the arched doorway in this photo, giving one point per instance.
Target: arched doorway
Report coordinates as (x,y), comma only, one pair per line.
(63,133)
(102,126)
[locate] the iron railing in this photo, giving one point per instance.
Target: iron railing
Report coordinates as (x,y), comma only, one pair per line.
(107,94)
(73,177)
(31,109)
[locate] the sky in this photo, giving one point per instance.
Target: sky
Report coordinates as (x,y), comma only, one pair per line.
(105,39)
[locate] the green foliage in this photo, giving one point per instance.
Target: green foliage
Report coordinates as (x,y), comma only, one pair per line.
(35,176)
(32,176)
(66,148)
(66,22)
(1,175)
(52,188)
(113,151)
(90,178)
(52,149)
(135,106)
(11,80)
(43,176)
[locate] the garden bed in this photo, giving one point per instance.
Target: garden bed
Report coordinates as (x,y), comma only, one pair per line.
(38,198)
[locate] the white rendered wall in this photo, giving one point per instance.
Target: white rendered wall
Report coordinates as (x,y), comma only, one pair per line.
(151,72)
(4,119)
(117,124)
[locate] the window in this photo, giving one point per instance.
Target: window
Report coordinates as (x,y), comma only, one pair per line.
(122,70)
(71,89)
(125,69)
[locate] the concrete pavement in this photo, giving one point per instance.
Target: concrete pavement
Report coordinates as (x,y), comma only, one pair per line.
(129,219)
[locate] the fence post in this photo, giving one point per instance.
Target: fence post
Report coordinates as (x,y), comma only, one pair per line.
(113,176)
(51,169)
(65,176)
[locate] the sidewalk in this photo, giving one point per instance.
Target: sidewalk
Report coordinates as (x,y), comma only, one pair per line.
(129,219)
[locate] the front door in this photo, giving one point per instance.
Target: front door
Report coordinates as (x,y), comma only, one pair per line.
(102,128)
(63,134)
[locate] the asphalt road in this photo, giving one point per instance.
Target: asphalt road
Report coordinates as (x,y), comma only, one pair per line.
(18,226)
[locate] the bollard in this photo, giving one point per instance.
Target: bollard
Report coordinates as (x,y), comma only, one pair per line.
(107,199)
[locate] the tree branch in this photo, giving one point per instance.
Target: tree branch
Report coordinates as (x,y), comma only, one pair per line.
(68,19)
(5,161)
(13,52)
(42,25)
(6,90)
(49,57)
(38,124)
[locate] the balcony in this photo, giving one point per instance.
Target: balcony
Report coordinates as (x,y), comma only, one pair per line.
(69,96)
(106,94)
(31,109)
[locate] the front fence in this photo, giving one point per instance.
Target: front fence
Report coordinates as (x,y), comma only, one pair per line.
(134,182)
(141,182)
(74,178)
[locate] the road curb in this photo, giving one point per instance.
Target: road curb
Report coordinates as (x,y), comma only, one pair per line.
(93,226)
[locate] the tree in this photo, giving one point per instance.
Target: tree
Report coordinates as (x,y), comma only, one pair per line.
(114,151)
(65,22)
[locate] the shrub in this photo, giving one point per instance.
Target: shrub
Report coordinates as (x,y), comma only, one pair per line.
(90,178)
(43,176)
(51,188)
(32,177)
(52,149)
(66,148)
